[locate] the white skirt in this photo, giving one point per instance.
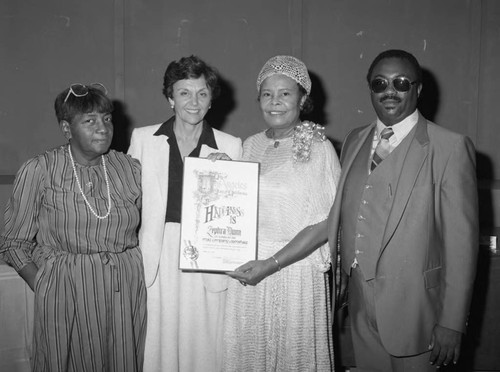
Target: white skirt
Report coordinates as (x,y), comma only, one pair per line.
(185,314)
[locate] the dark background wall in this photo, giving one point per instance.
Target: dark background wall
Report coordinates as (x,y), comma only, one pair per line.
(127,44)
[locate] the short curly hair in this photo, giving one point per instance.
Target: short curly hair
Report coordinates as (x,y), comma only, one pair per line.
(398,54)
(191,67)
(95,100)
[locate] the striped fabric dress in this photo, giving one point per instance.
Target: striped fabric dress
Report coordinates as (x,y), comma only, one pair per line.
(90,298)
(284,322)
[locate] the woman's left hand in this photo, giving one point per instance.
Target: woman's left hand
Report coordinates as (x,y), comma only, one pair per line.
(218,156)
(253,272)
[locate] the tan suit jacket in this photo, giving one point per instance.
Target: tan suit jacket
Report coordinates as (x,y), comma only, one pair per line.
(433,224)
(153,152)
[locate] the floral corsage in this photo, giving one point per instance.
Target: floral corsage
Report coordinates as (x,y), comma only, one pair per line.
(303,136)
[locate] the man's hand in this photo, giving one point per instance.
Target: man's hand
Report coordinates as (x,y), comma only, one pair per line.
(445,346)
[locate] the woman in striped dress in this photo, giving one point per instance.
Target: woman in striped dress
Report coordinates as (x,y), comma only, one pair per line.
(71,233)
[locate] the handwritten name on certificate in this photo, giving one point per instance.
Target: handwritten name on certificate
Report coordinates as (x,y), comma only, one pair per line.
(219,214)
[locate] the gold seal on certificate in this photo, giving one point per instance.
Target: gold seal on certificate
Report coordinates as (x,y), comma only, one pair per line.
(219,214)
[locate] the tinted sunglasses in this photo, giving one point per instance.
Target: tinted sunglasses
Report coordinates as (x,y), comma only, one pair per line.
(400,84)
(81,90)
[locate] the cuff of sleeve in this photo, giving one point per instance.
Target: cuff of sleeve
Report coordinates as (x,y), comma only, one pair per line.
(16,258)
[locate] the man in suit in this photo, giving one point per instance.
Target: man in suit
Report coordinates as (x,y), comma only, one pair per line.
(406,221)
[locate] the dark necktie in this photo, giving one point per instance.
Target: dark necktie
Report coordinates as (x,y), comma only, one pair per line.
(383,148)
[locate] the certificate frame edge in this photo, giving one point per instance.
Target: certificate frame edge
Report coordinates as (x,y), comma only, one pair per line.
(207,271)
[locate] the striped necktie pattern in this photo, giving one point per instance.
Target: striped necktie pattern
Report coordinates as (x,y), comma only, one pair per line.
(383,148)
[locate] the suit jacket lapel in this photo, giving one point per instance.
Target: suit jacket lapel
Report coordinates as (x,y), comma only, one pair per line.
(347,157)
(159,155)
(206,150)
(414,159)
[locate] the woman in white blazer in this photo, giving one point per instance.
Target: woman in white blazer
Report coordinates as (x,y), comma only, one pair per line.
(185,309)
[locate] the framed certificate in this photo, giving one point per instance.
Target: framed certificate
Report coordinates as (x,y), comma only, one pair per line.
(219,214)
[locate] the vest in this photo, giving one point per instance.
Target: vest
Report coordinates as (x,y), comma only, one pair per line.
(366,204)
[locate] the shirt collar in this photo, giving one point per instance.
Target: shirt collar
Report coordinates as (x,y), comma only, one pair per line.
(400,129)
(166,129)
(207,136)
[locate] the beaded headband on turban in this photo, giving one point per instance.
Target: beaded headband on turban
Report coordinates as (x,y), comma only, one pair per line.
(288,66)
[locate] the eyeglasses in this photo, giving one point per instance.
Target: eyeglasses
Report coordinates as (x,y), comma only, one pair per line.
(401,84)
(81,90)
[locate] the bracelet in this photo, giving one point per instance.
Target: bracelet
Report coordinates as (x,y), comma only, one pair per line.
(277,263)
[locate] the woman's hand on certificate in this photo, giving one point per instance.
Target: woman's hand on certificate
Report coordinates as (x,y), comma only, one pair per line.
(253,272)
(218,156)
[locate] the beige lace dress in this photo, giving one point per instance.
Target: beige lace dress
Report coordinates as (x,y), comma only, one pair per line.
(284,323)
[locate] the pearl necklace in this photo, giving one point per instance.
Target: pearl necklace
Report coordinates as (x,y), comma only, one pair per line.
(80,186)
